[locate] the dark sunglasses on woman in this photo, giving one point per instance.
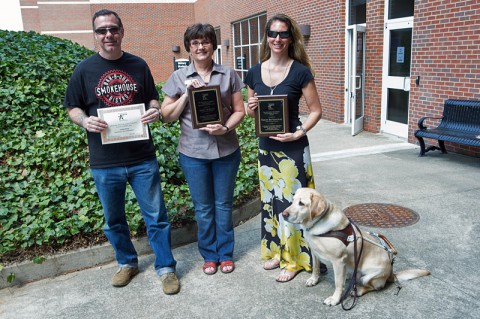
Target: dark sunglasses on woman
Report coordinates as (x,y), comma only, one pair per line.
(282,34)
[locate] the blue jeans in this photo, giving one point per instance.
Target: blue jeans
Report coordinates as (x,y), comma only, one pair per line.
(211,183)
(144,178)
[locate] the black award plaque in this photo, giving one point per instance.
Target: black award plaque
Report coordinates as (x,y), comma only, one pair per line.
(206,106)
(271,116)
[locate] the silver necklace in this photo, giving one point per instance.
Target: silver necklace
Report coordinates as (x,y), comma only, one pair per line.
(206,74)
(283,78)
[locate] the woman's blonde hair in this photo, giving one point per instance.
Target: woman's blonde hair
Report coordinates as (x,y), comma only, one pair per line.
(296,49)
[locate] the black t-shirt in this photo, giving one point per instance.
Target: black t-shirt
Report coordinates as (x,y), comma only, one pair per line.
(99,83)
(297,78)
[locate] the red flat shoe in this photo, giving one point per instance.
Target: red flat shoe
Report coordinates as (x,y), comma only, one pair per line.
(209,264)
(227,263)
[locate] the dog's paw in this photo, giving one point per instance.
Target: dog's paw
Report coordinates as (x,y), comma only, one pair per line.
(312,281)
(331,301)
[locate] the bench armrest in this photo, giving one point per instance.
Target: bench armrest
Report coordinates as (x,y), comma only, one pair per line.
(420,122)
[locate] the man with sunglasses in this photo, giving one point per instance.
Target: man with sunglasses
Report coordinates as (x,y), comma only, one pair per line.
(113,78)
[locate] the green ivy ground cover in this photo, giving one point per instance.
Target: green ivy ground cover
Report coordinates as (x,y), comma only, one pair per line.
(47,195)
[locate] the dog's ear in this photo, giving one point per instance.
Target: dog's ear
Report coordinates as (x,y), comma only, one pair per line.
(315,204)
(318,205)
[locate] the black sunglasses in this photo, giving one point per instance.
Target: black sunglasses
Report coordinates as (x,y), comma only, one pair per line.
(282,34)
(103,31)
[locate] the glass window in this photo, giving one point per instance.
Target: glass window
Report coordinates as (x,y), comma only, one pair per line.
(218,36)
(244,32)
(398,105)
(400,8)
(236,35)
(358,12)
(254,36)
(255,53)
(238,61)
(217,54)
(400,52)
(246,43)
(262,22)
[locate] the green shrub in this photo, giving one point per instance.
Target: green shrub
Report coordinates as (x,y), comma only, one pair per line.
(47,195)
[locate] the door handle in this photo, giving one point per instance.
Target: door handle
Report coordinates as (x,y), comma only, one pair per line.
(406,83)
(359,81)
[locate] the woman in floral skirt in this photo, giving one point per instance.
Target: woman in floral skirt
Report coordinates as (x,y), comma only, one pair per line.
(284,159)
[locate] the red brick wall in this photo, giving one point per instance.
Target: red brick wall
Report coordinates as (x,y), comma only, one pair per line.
(219,13)
(29,3)
(445,49)
(58,17)
(373,65)
(446,56)
(151,30)
(325,46)
(31,21)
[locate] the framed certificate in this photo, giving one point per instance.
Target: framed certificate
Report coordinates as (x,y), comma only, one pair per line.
(124,124)
(271,116)
(206,105)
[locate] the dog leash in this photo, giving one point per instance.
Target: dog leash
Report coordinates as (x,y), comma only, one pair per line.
(353,281)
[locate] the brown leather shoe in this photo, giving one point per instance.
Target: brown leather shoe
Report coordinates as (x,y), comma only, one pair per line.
(170,283)
(123,276)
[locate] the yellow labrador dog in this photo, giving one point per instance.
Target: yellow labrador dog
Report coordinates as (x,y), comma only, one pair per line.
(318,216)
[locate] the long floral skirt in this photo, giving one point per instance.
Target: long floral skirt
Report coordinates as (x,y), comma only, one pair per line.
(281,173)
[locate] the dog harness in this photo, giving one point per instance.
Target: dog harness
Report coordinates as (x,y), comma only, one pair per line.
(346,235)
(382,242)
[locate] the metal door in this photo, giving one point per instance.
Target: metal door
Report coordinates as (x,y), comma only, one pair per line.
(396,77)
(356,77)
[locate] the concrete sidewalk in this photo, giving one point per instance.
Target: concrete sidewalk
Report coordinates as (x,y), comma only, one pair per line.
(443,189)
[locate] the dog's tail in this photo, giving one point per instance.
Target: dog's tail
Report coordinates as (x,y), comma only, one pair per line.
(408,274)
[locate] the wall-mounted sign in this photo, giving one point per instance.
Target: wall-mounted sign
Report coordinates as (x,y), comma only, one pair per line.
(180,63)
(241,62)
(400,54)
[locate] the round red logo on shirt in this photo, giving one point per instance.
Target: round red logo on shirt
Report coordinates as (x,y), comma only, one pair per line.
(116,88)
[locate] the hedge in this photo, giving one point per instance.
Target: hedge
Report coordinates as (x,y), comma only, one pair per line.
(47,194)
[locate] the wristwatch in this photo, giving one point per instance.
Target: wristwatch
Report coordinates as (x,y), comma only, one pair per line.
(300,128)
(160,115)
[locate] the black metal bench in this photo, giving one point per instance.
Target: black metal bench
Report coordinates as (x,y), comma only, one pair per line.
(460,123)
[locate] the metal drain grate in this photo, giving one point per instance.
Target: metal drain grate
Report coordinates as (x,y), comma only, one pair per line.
(381,215)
